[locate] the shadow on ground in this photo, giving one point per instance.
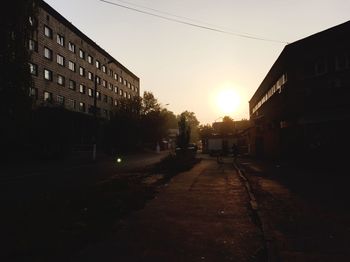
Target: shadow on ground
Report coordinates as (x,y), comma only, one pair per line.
(52,226)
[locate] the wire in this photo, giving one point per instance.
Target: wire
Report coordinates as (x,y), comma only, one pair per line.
(178,16)
(191,24)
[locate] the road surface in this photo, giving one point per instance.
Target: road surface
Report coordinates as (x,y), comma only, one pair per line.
(201,215)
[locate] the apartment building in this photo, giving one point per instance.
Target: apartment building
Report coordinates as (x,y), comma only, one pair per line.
(67,67)
(302,106)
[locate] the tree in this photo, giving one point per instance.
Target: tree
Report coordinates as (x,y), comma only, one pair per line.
(205,131)
(228,126)
(170,119)
(149,103)
(183,138)
(16,26)
(193,123)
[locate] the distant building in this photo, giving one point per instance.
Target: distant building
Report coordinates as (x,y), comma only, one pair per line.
(224,135)
(303,103)
(65,64)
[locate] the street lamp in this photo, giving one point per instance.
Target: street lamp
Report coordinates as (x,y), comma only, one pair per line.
(94,149)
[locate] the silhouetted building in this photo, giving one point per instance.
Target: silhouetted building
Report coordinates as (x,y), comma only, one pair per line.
(303,103)
(65,62)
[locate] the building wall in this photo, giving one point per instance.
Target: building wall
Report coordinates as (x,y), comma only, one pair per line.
(308,86)
(120,82)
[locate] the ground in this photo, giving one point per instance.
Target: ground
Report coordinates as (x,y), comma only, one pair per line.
(143,211)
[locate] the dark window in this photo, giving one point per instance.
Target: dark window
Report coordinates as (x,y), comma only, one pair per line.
(71,47)
(72,84)
(33,68)
(60,40)
(60,80)
(82,107)
(33,92)
(81,54)
(60,60)
(47,96)
(33,45)
(48,74)
(60,99)
(47,53)
(47,31)
(82,88)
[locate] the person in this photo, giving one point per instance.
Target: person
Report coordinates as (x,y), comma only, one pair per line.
(234,151)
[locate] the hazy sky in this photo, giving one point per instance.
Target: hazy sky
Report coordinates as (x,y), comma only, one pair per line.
(186,67)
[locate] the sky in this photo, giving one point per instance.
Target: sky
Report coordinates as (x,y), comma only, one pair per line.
(212,73)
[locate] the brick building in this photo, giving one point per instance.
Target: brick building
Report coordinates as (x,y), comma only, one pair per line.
(65,64)
(303,105)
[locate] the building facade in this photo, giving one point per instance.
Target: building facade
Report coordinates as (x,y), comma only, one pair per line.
(302,106)
(71,70)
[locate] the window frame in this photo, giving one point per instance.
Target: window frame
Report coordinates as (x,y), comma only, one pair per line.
(50,74)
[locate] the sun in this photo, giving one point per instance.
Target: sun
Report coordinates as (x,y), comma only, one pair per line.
(228,101)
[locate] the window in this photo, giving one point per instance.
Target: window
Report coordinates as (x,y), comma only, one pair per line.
(110,100)
(33,45)
(71,66)
(33,68)
(124,82)
(82,88)
(32,21)
(47,53)
(129,96)
(97,63)
(47,96)
(60,40)
(125,94)
(91,76)
(71,47)
(48,74)
(47,31)
(98,80)
(120,92)
(116,102)
(110,86)
(120,79)
(90,59)
(104,69)
(33,92)
(72,84)
(104,83)
(115,76)
(116,90)
(60,80)
(320,67)
(110,73)
(98,95)
(105,98)
(81,71)
(71,103)
(90,92)
(82,107)
(60,99)
(60,60)
(341,62)
(81,54)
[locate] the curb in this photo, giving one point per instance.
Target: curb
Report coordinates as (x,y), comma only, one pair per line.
(269,245)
